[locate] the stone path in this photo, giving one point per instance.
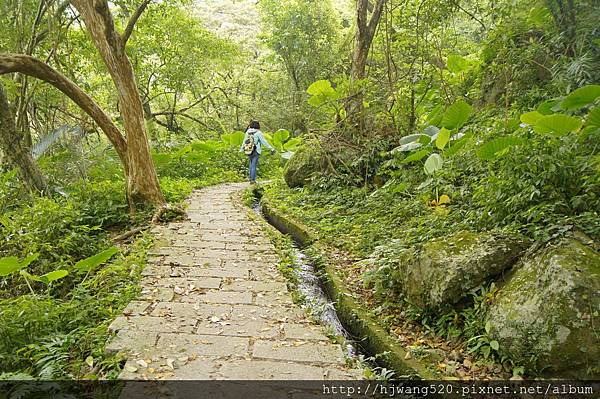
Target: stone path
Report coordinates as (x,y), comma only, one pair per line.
(214,306)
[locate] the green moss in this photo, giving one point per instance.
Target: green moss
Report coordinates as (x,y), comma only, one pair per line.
(543,317)
(303,164)
(443,271)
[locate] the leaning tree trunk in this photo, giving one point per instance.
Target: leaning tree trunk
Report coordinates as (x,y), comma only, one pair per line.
(142,181)
(15,150)
(365,32)
(27,65)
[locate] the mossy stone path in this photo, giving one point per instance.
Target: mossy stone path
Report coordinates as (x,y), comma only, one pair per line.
(214,305)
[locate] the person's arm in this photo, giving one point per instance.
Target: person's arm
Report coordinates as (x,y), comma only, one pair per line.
(265,142)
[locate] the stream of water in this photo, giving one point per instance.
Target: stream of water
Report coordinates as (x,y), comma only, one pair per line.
(315,298)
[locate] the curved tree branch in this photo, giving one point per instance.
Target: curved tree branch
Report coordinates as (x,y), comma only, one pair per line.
(131,24)
(31,66)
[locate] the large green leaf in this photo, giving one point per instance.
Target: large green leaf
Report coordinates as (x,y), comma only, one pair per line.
(11,264)
(53,276)
(414,138)
(292,144)
(456,115)
(407,147)
(320,88)
(322,92)
(435,116)
(442,139)
(583,96)
(496,146)
(431,130)
(234,139)
(531,118)
(417,156)
(433,164)
(90,263)
(279,137)
(548,107)
(593,118)
(457,63)
(558,124)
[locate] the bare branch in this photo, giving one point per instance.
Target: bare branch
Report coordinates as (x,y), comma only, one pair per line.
(131,24)
(378,9)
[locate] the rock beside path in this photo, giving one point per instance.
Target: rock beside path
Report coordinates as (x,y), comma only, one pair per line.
(547,316)
(443,271)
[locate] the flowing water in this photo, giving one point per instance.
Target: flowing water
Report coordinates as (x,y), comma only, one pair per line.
(315,298)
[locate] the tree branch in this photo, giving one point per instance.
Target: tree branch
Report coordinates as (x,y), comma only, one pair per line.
(31,66)
(470,14)
(375,17)
(134,18)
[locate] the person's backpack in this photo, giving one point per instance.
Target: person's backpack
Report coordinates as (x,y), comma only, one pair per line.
(249,144)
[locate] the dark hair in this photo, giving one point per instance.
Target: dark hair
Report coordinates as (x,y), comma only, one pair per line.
(254,125)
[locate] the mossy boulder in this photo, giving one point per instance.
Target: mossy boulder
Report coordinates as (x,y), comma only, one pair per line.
(443,271)
(305,162)
(547,316)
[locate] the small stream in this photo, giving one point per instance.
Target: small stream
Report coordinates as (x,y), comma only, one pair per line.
(315,298)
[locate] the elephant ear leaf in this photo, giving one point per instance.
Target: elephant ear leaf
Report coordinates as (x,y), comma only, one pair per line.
(557,124)
(90,263)
(11,264)
(53,276)
(581,97)
(593,118)
(280,137)
(433,164)
(456,115)
(492,149)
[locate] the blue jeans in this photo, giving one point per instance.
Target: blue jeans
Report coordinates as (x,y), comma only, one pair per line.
(253,165)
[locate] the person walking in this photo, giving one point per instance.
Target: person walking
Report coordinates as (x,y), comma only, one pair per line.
(252,146)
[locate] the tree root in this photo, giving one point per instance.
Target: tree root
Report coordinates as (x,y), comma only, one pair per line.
(154,221)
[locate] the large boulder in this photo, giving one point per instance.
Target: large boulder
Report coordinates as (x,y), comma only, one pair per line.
(443,271)
(303,164)
(547,316)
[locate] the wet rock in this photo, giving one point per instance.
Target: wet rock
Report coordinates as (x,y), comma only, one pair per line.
(546,316)
(443,271)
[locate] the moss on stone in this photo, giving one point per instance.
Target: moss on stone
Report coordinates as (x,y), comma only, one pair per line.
(303,164)
(546,316)
(444,271)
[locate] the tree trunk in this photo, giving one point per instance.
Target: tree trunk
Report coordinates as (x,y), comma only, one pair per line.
(16,151)
(365,32)
(142,181)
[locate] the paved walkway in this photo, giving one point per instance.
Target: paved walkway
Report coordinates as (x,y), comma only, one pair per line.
(214,306)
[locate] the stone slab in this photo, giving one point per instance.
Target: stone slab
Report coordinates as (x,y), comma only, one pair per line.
(202,345)
(298,351)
